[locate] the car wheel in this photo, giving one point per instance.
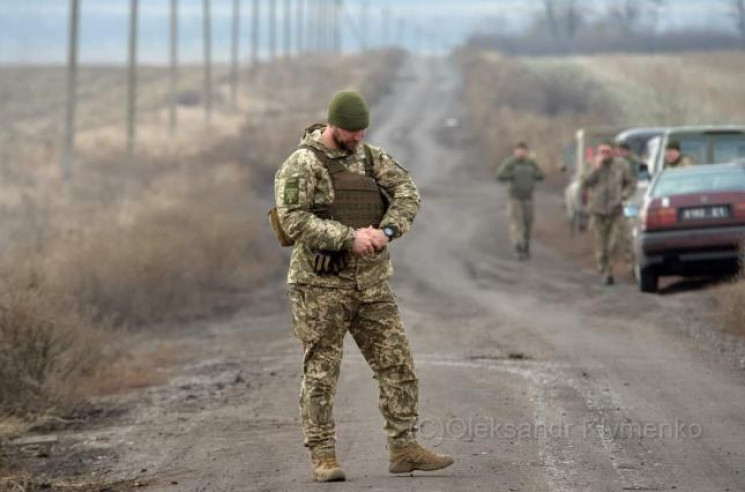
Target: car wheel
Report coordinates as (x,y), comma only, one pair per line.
(647,279)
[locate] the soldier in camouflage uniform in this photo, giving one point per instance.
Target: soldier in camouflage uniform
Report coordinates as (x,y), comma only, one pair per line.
(521,172)
(338,280)
(674,158)
(610,183)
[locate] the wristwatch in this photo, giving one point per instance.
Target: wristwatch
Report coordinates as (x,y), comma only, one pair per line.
(390,232)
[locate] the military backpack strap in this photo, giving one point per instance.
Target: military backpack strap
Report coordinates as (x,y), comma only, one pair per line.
(369,162)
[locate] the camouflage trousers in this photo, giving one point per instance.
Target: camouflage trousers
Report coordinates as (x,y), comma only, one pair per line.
(521,222)
(605,230)
(321,318)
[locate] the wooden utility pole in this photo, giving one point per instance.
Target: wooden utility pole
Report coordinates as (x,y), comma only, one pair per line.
(207,41)
(385,19)
(68,152)
(255,33)
(300,27)
(365,25)
(312,29)
(272,29)
(323,25)
(172,106)
(235,53)
(287,23)
(401,33)
(336,18)
(132,79)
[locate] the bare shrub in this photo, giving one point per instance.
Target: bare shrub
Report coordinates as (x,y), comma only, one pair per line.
(48,348)
(510,101)
(732,301)
(173,253)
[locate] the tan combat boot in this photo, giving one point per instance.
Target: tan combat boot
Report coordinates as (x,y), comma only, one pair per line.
(415,457)
(327,469)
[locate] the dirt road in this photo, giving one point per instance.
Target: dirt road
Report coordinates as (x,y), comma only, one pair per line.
(533,375)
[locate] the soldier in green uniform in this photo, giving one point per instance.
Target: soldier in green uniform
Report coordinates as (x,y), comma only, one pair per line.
(521,172)
(610,183)
(623,151)
(674,158)
(342,201)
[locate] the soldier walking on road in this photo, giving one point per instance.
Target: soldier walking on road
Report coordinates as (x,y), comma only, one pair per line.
(342,201)
(521,172)
(610,183)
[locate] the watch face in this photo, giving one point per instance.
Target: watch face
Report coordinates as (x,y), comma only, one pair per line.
(388,232)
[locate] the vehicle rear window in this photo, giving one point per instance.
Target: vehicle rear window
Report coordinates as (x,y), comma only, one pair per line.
(729,148)
(677,183)
(712,148)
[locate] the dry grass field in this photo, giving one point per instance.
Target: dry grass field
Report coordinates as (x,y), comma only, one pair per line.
(177,233)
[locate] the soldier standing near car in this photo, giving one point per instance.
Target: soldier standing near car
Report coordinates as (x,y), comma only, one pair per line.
(341,202)
(638,169)
(609,183)
(623,151)
(521,172)
(674,158)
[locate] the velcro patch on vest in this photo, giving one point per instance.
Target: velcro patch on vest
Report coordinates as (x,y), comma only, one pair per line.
(292,191)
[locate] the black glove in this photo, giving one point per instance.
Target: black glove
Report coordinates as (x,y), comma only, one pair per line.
(329,262)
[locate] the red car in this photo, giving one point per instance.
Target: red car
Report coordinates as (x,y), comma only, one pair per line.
(692,223)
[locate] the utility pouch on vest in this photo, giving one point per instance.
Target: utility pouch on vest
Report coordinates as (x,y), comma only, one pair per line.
(282,237)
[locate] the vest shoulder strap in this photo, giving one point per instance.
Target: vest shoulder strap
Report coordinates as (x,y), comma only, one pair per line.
(334,166)
(369,162)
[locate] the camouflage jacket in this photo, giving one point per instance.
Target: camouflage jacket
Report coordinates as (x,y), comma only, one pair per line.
(683,161)
(609,186)
(303,184)
(522,175)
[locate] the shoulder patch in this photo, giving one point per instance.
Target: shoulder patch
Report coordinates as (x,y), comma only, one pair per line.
(292,191)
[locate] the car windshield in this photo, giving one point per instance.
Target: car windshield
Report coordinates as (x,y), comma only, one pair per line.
(680,183)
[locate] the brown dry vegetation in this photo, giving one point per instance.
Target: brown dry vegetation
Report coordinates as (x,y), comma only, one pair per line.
(175,234)
(669,89)
(509,101)
(732,302)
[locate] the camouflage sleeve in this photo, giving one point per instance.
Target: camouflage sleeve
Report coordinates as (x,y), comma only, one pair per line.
(294,188)
(629,183)
(590,179)
(405,199)
(506,171)
(539,174)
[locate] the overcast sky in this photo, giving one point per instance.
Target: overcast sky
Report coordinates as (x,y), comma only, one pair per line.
(34,31)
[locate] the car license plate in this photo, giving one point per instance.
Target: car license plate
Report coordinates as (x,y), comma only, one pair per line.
(704,213)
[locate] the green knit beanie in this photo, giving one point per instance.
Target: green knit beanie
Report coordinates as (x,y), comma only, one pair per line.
(348,110)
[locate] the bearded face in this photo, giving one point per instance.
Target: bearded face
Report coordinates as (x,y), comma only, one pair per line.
(346,140)
(606,154)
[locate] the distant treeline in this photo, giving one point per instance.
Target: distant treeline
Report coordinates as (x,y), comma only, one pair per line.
(600,41)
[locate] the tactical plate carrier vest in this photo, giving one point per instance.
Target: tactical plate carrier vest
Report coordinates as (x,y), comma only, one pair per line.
(358,200)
